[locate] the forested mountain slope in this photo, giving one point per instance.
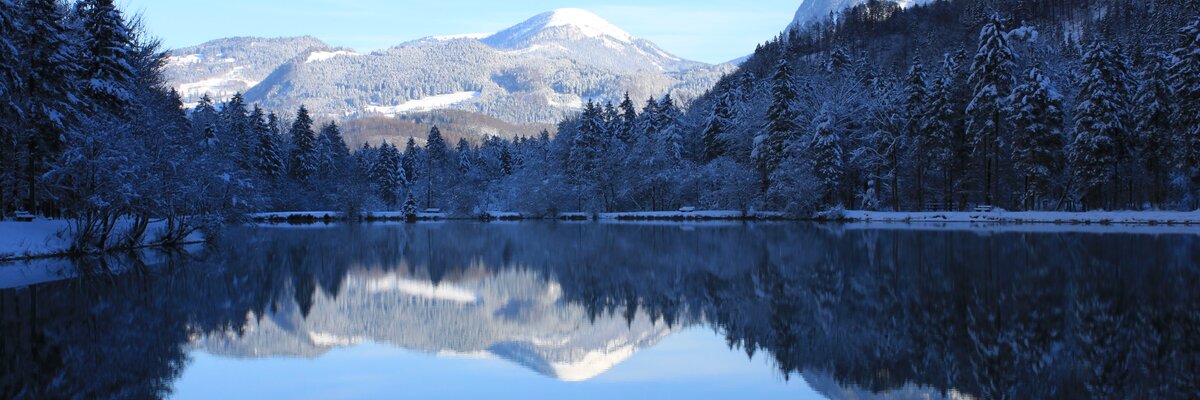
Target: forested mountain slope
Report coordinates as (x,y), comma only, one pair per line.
(537,71)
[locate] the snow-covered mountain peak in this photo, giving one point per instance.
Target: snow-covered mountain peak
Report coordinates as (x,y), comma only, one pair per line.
(573,20)
(592,25)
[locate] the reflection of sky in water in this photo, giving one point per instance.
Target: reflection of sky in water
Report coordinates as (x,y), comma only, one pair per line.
(694,363)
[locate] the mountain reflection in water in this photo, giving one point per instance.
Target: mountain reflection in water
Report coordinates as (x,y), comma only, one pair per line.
(852,310)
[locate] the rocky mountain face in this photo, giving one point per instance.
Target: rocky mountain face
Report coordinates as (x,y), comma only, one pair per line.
(534,72)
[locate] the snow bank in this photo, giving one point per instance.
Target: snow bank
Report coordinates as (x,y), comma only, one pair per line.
(399,216)
(51,237)
(296,216)
(503,215)
(33,239)
(1033,217)
(692,215)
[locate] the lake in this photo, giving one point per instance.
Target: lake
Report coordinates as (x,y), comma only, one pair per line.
(614,311)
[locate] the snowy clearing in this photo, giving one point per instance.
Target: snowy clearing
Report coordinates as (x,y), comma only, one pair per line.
(50,237)
(318,56)
(424,104)
(1033,217)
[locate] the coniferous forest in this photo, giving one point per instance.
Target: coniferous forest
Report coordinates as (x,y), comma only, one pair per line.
(1019,104)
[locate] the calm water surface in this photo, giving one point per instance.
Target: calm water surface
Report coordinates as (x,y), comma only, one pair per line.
(614,311)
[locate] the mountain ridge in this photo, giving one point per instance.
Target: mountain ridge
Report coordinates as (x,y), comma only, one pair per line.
(536,71)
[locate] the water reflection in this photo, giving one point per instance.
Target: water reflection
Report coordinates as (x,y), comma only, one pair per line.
(852,311)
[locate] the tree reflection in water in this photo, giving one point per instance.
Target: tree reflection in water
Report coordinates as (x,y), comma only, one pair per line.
(982,314)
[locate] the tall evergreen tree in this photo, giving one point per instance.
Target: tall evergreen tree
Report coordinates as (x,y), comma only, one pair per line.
(302,162)
(718,126)
(916,126)
(1037,116)
(437,161)
(1098,126)
(991,82)
(50,98)
(464,156)
(10,108)
(1185,85)
(332,151)
(388,174)
(587,146)
(411,162)
(669,131)
(628,119)
(236,132)
(10,59)
(940,116)
(108,44)
(781,128)
(1156,132)
(267,155)
(829,167)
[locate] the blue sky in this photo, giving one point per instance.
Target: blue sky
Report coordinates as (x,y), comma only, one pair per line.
(704,30)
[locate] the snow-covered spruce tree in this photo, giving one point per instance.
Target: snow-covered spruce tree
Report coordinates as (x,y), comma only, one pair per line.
(1157,136)
(718,126)
(991,82)
(1098,127)
(917,127)
(628,120)
(268,159)
(410,207)
(411,163)
(1037,118)
(669,130)
(465,158)
(388,175)
(437,166)
(10,109)
(586,146)
(51,96)
(1185,85)
(940,118)
(332,152)
(236,134)
(302,162)
(771,144)
(829,165)
(108,54)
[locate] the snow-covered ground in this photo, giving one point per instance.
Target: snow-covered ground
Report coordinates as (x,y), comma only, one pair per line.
(51,237)
(692,215)
(506,215)
(318,56)
(333,215)
(1033,217)
(299,215)
(424,104)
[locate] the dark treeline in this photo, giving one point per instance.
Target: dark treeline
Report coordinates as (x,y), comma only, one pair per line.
(1001,315)
(1019,104)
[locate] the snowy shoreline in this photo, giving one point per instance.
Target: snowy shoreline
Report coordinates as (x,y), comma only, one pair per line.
(1029,217)
(47,238)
